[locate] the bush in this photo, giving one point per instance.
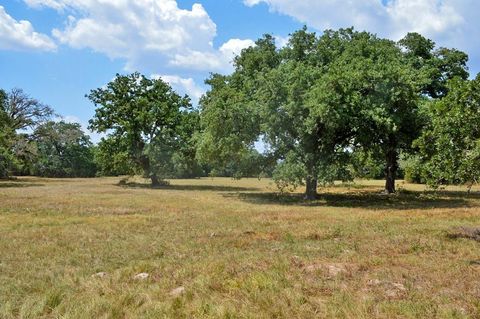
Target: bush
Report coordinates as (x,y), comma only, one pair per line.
(412,168)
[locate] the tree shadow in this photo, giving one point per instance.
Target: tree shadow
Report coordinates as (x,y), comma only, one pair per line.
(214,188)
(454,194)
(404,200)
(18,184)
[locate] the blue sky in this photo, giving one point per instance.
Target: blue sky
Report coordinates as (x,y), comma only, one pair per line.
(58,50)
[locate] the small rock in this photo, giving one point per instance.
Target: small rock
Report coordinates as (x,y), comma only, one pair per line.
(462,310)
(334,270)
(399,286)
(391,293)
(100,274)
(141,276)
(395,290)
(313,268)
(177,291)
(374,282)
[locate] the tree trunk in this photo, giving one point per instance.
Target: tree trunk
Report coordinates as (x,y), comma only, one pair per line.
(3,168)
(3,173)
(155,180)
(311,190)
(145,164)
(391,171)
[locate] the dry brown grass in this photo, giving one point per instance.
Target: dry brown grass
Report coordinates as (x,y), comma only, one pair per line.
(239,249)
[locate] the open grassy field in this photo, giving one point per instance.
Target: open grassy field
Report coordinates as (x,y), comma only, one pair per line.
(234,249)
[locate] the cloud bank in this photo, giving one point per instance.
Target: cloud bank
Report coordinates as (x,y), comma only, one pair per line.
(21,36)
(451,23)
(147,34)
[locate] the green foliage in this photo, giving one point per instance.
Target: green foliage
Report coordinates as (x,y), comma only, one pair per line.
(25,152)
(112,159)
(383,89)
(313,102)
(230,123)
(250,164)
(289,173)
(412,167)
(436,66)
(366,164)
(4,137)
(145,119)
(63,151)
(450,145)
(269,95)
(7,159)
(18,111)
(184,158)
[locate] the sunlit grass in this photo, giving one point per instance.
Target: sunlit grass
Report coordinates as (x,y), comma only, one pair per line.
(238,248)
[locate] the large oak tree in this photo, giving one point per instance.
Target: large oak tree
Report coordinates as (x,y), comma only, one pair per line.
(320,98)
(146,118)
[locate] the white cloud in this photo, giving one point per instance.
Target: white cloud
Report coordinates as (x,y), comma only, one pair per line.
(451,23)
(68,119)
(148,34)
(394,18)
(55,4)
(94,136)
(281,41)
(20,35)
(323,14)
(252,3)
(234,47)
(429,17)
(198,60)
(183,86)
(217,60)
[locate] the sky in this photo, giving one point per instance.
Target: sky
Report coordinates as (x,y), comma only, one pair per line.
(59,50)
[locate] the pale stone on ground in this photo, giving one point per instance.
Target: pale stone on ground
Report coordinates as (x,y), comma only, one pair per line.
(177,291)
(141,276)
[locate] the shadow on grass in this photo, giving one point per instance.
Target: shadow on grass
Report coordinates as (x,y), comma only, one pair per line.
(454,194)
(14,183)
(215,188)
(366,199)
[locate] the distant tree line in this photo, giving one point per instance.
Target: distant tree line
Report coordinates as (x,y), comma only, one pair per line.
(337,106)
(150,130)
(32,144)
